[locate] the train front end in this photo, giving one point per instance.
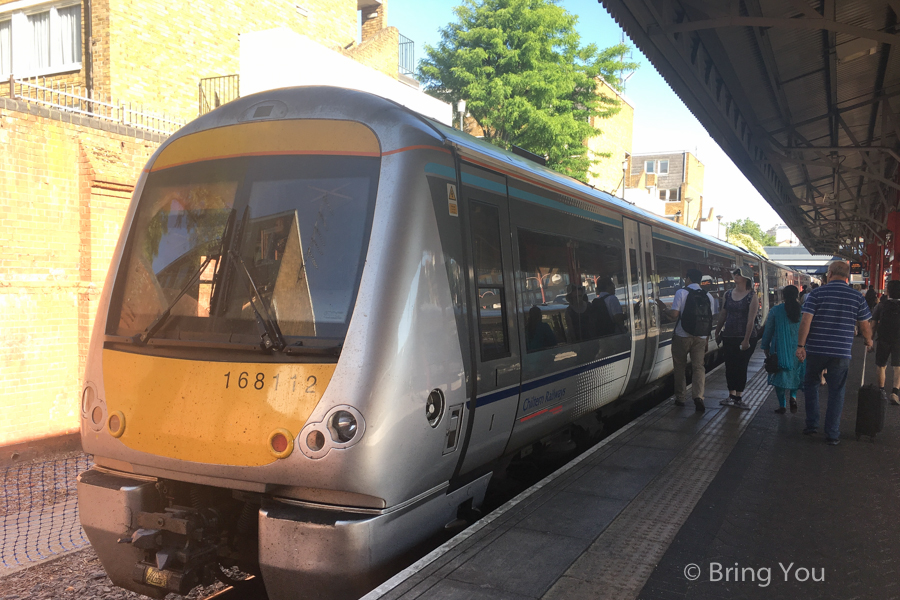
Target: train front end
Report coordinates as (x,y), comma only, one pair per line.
(231,411)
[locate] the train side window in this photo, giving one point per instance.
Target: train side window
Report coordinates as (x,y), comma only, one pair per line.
(670,274)
(562,283)
(488,261)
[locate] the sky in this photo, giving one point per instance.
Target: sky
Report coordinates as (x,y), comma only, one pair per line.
(661,120)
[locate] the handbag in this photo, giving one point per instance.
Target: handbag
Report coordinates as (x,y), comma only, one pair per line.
(771,363)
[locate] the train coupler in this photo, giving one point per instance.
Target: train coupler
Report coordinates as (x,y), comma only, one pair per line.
(181,548)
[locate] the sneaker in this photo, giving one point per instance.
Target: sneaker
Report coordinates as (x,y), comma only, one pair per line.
(781,410)
(698,404)
(832,441)
(679,402)
(895,396)
(727,401)
(882,393)
(809,431)
(738,403)
(793,405)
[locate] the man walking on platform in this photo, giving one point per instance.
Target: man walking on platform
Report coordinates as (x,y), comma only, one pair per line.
(887,324)
(694,310)
(827,328)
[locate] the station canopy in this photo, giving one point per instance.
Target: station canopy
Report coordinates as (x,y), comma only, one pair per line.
(801,95)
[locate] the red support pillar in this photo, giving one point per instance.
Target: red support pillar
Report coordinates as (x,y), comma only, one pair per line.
(872,251)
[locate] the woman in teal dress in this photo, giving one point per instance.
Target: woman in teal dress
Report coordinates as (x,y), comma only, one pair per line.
(780,337)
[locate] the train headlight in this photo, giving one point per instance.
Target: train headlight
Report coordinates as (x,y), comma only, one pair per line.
(434,407)
(87,399)
(343,426)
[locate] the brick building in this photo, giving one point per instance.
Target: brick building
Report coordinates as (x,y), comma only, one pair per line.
(614,142)
(67,171)
(668,184)
(155,52)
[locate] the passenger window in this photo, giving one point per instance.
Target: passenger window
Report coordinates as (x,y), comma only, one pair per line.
(571,290)
(485,220)
(635,284)
(649,281)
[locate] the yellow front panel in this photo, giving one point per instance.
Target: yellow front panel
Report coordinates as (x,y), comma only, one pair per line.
(298,136)
(209,412)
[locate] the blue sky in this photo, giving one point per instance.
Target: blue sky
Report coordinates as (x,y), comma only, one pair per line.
(661,120)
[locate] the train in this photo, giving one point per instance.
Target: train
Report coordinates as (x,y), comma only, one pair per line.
(329,320)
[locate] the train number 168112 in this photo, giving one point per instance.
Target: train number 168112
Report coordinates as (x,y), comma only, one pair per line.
(258,381)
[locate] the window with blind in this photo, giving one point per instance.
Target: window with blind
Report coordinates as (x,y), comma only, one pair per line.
(40,42)
(5,47)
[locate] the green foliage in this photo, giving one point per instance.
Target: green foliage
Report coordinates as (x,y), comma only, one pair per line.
(525,77)
(747,242)
(752,229)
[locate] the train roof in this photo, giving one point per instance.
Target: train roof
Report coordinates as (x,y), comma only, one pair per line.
(468,144)
(365,105)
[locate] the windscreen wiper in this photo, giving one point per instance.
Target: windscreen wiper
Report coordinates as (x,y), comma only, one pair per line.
(142,338)
(270,334)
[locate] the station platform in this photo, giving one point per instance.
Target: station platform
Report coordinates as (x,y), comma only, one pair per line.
(663,507)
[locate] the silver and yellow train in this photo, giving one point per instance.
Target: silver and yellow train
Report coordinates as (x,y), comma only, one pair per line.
(329,319)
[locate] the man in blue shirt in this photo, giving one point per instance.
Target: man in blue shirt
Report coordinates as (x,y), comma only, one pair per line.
(830,315)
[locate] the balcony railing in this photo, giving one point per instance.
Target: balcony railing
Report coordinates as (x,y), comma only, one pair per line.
(75,99)
(216,91)
(407,63)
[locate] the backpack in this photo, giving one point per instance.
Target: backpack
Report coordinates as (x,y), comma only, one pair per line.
(605,323)
(889,323)
(696,314)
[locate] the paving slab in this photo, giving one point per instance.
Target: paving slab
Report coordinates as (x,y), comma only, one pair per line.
(597,527)
(782,499)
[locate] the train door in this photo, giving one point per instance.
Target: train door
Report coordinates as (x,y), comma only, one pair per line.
(497,367)
(638,299)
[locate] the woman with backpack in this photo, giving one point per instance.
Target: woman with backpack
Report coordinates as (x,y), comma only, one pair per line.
(780,341)
(737,332)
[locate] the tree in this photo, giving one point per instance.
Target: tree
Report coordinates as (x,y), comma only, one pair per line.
(525,78)
(745,241)
(752,229)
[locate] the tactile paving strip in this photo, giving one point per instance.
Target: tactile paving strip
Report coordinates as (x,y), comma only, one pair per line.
(421,574)
(622,558)
(642,532)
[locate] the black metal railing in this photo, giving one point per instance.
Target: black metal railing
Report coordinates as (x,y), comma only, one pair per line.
(407,63)
(216,91)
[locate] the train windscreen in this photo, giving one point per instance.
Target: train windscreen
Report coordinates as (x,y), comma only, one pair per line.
(239,250)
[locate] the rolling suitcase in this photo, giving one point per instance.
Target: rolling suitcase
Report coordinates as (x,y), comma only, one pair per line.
(869,408)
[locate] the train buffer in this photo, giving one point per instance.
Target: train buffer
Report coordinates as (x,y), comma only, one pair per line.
(679,504)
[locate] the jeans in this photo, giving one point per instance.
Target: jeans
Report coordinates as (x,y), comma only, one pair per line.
(836,378)
(696,348)
(736,361)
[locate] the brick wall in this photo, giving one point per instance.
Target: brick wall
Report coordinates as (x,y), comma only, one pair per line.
(615,141)
(373,19)
(380,52)
(153,53)
(160,49)
(692,191)
(64,189)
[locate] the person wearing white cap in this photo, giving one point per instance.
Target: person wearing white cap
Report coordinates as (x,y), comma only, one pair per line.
(737,332)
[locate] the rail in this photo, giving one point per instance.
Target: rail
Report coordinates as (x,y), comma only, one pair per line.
(216,91)
(77,100)
(406,65)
